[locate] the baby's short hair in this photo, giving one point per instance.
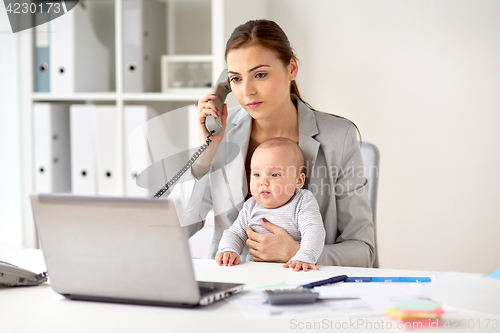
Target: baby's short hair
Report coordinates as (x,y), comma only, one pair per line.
(290,145)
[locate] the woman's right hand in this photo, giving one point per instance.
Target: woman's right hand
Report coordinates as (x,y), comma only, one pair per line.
(206,108)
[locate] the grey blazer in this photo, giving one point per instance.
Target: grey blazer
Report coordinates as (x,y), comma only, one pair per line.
(334,175)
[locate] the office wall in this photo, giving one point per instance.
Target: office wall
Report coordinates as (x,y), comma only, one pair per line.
(421,79)
(10,177)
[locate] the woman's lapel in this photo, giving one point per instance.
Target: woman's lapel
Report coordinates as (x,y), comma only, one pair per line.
(308,128)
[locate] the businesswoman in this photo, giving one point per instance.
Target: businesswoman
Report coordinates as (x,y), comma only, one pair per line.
(261,70)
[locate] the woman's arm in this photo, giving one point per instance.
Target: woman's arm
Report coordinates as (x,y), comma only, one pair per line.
(355,242)
(202,165)
(192,194)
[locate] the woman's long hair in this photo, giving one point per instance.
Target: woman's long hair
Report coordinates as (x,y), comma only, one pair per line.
(268,34)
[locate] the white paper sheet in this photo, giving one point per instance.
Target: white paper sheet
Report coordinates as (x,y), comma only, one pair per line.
(373,298)
(253,306)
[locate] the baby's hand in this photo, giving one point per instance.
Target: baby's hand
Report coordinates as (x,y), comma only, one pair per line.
(300,265)
(227,259)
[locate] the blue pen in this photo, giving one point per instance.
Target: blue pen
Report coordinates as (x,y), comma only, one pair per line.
(334,279)
(389,279)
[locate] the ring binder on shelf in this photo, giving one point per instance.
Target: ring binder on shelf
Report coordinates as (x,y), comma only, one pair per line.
(79,61)
(109,170)
(144,42)
(83,176)
(96,150)
(52,147)
(42,54)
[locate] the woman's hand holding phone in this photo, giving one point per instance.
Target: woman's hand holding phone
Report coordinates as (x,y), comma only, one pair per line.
(205,107)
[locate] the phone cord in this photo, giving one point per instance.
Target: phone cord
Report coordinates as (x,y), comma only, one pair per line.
(184,168)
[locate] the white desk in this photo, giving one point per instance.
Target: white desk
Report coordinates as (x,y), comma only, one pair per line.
(40,309)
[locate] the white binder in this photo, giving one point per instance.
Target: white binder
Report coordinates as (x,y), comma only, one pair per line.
(78,60)
(83,176)
(144,42)
(136,116)
(108,150)
(52,147)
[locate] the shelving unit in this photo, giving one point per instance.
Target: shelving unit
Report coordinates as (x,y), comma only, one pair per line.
(197,19)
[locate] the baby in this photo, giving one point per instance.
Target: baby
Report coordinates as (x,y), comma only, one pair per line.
(277,177)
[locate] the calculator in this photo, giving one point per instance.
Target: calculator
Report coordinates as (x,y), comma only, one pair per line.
(291,296)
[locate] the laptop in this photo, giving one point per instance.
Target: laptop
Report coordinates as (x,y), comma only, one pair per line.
(117,249)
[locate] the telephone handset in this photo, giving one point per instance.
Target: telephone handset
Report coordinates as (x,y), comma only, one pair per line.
(213,125)
(221,89)
(12,275)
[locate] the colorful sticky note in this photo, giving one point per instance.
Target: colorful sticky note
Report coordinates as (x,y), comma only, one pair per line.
(418,305)
(398,313)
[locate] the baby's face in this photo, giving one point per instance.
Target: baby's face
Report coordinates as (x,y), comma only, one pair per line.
(274,176)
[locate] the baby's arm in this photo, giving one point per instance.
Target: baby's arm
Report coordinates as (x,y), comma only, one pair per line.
(312,232)
(227,258)
(233,240)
